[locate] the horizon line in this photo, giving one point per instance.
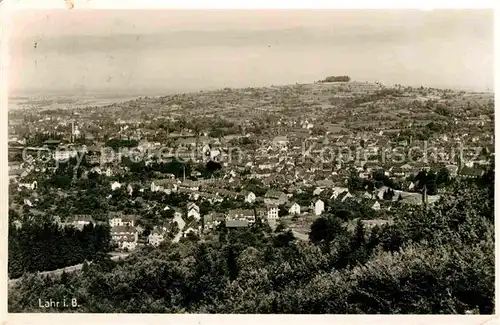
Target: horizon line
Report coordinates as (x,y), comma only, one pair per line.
(27,92)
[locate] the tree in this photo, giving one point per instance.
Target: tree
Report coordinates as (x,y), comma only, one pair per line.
(421,179)
(431,187)
(359,238)
(231,263)
(147,231)
(283,211)
(85,267)
(192,237)
(358,252)
(35,244)
(64,277)
(325,229)
(212,166)
(354,183)
(443,177)
(284,238)
(388,194)
(337,79)
(280,227)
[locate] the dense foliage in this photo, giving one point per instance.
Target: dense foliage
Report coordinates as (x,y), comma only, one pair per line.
(121,143)
(337,79)
(47,246)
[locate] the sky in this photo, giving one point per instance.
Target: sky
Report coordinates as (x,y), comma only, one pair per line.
(163,51)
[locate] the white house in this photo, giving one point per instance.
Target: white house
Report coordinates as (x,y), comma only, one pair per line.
(272,212)
(317,191)
(31,186)
(239,214)
(190,230)
(337,191)
(294,209)
(376,206)
(79,221)
(156,237)
(206,149)
(119,220)
(129,244)
(319,207)
(214,153)
(249,197)
(363,175)
(164,185)
(212,220)
(193,211)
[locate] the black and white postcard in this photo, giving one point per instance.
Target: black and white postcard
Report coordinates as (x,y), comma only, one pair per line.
(271,161)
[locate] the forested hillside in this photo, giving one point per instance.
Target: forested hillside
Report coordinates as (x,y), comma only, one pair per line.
(48,246)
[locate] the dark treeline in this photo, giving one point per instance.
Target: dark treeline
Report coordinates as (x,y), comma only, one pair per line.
(65,173)
(47,246)
(432,180)
(423,133)
(379,179)
(121,143)
(38,139)
(351,209)
(439,260)
(139,171)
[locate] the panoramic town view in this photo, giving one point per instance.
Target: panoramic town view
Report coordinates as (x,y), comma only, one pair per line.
(326,193)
